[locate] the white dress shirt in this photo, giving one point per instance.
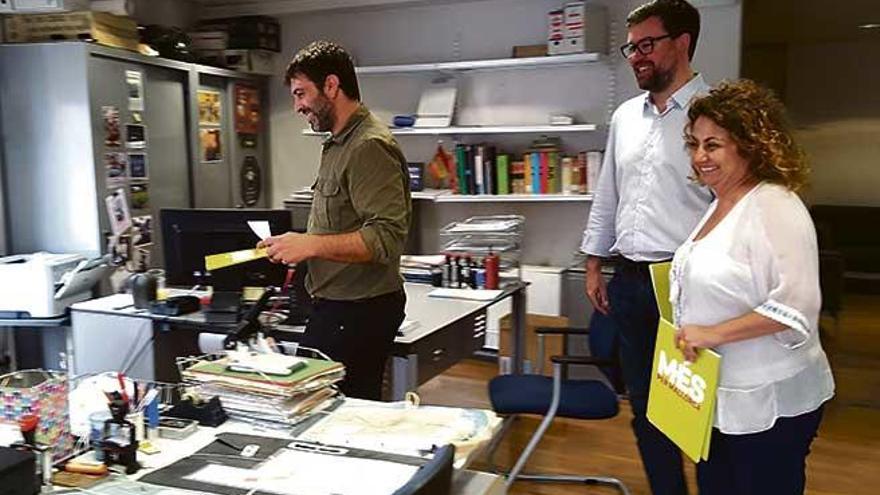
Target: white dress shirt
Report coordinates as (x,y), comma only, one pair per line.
(644,204)
(761,257)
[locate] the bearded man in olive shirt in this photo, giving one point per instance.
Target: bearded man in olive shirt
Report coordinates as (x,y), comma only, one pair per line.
(358,224)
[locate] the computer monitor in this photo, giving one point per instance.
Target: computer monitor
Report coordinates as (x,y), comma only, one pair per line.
(188,235)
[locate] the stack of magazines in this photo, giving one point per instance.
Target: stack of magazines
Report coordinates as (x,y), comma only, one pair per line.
(273,388)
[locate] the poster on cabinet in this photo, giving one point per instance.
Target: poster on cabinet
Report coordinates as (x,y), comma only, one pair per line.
(247,109)
(210,109)
(211,146)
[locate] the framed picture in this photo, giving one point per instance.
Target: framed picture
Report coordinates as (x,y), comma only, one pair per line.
(140,195)
(115,167)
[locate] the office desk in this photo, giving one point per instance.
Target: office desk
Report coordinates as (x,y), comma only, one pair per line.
(108,334)
(464,481)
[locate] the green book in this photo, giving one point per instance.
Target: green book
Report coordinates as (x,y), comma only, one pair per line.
(461,168)
(311,368)
(502,167)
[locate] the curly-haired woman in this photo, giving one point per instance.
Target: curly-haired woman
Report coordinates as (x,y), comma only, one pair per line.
(746,283)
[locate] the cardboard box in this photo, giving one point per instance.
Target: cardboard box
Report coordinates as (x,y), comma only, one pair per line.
(555,31)
(106,29)
(523,51)
(248,32)
(552,343)
(251,61)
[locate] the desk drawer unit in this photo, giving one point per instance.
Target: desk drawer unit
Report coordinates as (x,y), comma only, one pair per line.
(437,352)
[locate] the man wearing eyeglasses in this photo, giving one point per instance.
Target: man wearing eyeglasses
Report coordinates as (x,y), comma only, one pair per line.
(645,206)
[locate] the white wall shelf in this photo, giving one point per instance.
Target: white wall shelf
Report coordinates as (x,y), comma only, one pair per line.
(491,64)
(495,129)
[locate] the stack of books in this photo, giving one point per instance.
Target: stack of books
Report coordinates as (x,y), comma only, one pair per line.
(274,388)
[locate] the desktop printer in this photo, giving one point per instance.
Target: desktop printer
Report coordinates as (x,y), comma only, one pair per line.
(43,285)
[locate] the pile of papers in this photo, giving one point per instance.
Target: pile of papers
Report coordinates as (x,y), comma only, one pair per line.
(266,387)
(417,268)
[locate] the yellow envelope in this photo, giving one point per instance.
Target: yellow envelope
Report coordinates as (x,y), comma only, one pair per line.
(222,260)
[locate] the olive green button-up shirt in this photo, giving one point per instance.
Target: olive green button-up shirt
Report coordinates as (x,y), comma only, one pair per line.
(362,186)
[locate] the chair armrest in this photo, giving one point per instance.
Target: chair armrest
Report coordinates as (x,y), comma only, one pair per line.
(561,331)
(566,360)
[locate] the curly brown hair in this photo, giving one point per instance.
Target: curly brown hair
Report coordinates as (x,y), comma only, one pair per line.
(757,123)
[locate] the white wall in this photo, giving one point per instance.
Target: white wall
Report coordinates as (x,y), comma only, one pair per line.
(475,30)
(833,95)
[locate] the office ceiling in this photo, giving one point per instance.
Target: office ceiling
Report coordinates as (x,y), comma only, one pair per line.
(809,21)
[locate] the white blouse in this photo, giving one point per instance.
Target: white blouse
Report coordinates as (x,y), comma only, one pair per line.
(762,257)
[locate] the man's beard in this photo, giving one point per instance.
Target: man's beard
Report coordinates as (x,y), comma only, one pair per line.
(658,81)
(323,112)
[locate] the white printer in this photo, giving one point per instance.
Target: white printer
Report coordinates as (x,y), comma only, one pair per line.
(43,285)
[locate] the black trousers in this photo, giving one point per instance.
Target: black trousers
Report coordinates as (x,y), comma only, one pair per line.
(360,335)
(771,462)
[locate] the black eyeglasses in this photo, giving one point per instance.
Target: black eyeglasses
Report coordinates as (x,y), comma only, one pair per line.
(644,46)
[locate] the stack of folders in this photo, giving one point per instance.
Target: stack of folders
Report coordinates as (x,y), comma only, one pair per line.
(418,268)
(267,387)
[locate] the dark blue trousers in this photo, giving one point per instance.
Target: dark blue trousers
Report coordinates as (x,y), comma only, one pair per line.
(635,316)
(771,462)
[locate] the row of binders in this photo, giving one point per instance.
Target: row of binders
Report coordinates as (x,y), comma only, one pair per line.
(481,169)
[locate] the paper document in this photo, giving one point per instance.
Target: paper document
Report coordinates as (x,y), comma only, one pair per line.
(467,294)
(222,260)
(301,473)
(681,401)
(261,228)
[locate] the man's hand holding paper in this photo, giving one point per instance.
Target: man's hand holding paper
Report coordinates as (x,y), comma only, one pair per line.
(288,248)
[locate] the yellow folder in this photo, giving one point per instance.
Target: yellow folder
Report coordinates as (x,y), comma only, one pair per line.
(681,401)
(222,260)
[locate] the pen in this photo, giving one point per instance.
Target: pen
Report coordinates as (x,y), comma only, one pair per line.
(228,444)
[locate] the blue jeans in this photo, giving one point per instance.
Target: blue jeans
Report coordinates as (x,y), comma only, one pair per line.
(771,462)
(634,314)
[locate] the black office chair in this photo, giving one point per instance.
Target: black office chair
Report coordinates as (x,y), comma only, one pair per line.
(512,395)
(435,477)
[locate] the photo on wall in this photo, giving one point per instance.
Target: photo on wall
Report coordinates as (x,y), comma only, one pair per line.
(142,230)
(137,165)
(211,146)
(210,109)
(140,196)
(135,136)
(110,115)
(117,212)
(134,82)
(115,167)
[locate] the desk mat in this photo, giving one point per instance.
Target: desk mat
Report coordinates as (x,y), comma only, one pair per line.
(225,452)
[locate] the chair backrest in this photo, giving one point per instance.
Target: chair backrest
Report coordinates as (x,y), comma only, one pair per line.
(605,343)
(434,478)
